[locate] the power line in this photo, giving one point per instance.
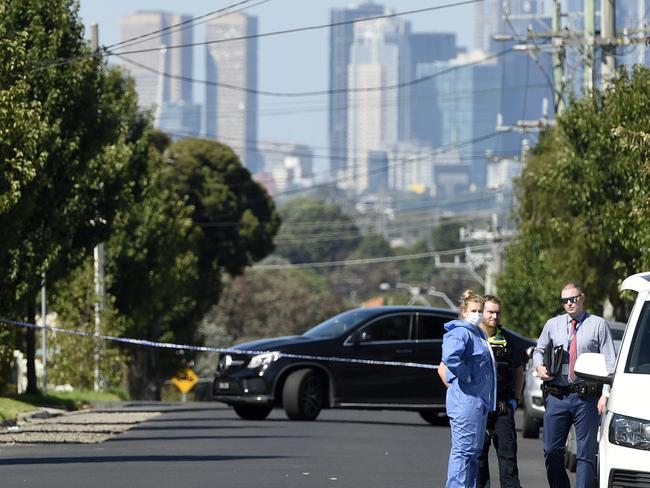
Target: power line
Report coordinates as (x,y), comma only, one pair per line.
(187,23)
(318,92)
(63,61)
(308,28)
(384,259)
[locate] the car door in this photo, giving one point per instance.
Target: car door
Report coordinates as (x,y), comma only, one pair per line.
(429,332)
(387,338)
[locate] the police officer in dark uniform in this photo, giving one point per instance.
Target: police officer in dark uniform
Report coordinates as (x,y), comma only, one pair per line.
(510,378)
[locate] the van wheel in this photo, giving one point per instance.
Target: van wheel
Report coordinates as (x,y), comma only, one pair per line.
(530,429)
(252,412)
(303,395)
(434,417)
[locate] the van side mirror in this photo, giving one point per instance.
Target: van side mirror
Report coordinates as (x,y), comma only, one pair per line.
(591,366)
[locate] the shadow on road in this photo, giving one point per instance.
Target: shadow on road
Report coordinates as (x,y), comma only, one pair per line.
(125,459)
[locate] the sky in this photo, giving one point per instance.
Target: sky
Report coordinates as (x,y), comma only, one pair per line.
(291,62)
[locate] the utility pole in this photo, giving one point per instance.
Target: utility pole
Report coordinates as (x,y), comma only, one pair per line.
(44,333)
(608,39)
(558,58)
(98,255)
(589,51)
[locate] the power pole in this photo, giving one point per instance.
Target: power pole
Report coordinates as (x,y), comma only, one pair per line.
(98,256)
(608,39)
(44,333)
(589,51)
(558,57)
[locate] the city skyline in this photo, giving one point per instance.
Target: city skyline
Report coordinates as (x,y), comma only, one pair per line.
(298,121)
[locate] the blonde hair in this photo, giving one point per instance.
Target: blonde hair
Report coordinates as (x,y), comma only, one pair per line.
(466,298)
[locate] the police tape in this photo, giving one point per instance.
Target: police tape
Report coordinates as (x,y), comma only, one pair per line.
(224,350)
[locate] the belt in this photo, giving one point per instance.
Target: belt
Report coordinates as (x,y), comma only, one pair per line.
(581,388)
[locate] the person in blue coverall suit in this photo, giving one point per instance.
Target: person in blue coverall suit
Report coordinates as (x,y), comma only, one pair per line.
(471,375)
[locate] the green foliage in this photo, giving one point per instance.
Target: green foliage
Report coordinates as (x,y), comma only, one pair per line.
(268,304)
(585,195)
(446,235)
(69,149)
(71,358)
(314,230)
(198,216)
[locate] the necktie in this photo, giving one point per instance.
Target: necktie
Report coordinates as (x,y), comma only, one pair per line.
(573,351)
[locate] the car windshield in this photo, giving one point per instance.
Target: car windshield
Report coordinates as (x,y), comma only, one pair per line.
(339,324)
(639,357)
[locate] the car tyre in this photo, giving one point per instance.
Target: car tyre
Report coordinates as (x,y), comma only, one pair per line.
(530,429)
(253,412)
(434,417)
(303,395)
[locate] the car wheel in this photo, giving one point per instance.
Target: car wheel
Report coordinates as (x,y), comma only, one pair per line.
(303,395)
(253,412)
(434,417)
(530,429)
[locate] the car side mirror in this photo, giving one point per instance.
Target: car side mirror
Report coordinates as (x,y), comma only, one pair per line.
(529,352)
(592,366)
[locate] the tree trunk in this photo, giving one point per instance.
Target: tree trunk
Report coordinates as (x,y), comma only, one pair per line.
(144,377)
(30,349)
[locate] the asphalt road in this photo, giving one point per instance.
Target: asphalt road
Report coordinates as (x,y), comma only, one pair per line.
(205,444)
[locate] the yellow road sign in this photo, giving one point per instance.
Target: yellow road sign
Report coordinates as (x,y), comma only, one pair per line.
(185,380)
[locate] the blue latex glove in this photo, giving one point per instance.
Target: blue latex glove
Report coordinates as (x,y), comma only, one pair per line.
(513,403)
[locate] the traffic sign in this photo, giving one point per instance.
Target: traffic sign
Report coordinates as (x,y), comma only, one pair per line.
(185,380)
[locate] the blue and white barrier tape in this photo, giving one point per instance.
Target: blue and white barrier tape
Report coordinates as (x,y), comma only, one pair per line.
(169,345)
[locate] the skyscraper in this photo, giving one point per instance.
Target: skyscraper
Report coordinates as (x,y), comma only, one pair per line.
(377,118)
(469,98)
(341,37)
(427,47)
(231,114)
(176,62)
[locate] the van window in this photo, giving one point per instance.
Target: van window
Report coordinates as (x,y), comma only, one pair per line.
(638,360)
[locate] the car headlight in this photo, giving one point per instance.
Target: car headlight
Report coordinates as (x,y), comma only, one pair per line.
(263,359)
(630,432)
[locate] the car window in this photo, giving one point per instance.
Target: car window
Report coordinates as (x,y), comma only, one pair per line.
(638,360)
(340,324)
(391,328)
(431,327)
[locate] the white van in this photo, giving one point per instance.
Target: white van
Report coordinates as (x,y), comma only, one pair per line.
(624,445)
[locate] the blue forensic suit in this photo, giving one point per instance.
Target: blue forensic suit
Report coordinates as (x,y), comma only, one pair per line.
(471,375)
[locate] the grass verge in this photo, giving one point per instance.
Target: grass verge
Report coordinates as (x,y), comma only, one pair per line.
(11,406)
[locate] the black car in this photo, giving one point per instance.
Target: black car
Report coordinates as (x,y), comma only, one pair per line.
(295,371)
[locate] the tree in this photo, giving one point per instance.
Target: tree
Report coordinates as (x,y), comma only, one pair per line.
(71,357)
(314,230)
(201,215)
(584,197)
(261,304)
(70,146)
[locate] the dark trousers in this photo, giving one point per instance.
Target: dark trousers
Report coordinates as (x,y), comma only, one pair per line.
(561,412)
(502,434)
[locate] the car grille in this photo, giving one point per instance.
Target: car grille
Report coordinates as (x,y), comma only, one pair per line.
(628,479)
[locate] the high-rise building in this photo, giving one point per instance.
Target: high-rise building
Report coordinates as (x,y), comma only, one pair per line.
(469,99)
(176,62)
(231,113)
(427,47)
(341,37)
(377,118)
